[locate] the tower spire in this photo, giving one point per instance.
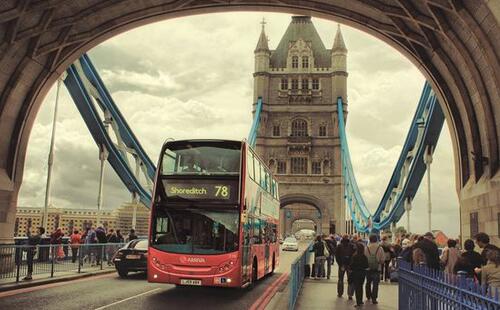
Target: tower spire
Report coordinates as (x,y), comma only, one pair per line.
(338,43)
(262,43)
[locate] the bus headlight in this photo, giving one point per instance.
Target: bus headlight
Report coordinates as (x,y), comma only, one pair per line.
(225,267)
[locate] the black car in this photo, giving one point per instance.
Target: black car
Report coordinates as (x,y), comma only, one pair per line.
(132,257)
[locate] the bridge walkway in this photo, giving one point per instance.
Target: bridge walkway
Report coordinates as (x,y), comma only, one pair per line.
(322,294)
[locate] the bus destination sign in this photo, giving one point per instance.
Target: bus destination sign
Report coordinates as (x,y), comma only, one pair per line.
(198,190)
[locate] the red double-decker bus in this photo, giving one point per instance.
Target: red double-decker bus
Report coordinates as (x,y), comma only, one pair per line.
(214,216)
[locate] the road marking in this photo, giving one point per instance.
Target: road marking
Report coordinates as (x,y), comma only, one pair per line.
(129,298)
(51,285)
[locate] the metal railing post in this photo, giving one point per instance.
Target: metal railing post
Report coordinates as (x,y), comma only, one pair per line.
(80,249)
(18,264)
(51,249)
(102,254)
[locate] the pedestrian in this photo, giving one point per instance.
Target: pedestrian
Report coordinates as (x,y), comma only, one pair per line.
(120,236)
(320,253)
(343,256)
(427,248)
(90,242)
(450,256)
(376,258)
(331,243)
(469,260)
(74,240)
(358,266)
(112,240)
(101,240)
(56,245)
(483,241)
(132,235)
(386,246)
(490,273)
(406,250)
(33,242)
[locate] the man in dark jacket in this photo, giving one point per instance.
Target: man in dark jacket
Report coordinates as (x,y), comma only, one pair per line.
(343,255)
(483,241)
(319,257)
(100,234)
(331,243)
(33,241)
(430,249)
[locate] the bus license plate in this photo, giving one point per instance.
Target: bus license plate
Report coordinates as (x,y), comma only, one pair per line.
(190,282)
(133,256)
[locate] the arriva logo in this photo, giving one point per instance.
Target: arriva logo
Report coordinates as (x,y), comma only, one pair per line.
(196,260)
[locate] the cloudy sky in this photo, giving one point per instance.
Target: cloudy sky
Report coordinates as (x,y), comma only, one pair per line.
(192,78)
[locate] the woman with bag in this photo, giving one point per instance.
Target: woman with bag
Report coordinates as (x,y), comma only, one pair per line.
(320,252)
(450,256)
(358,267)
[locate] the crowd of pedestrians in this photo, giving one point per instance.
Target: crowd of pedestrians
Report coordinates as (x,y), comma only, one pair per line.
(363,264)
(91,246)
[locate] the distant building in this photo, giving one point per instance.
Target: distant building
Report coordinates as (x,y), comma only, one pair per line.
(69,219)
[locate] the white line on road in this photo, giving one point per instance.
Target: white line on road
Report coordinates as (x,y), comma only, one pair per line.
(129,298)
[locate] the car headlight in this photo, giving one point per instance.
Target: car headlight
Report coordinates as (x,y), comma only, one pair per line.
(225,267)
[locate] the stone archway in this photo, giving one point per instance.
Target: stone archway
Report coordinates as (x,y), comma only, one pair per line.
(455,44)
(315,210)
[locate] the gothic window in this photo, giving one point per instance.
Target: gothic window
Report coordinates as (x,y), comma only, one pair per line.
(305,84)
(299,128)
(315,84)
(316,167)
(305,62)
(322,131)
(295,84)
(299,165)
(474,224)
(295,61)
(284,84)
(276,130)
(281,167)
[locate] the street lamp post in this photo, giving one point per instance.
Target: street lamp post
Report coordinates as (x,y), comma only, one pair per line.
(428,162)
(50,161)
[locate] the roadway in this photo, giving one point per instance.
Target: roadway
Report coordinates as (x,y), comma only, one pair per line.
(111,292)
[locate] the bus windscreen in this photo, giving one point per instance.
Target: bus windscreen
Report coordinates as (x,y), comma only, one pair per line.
(195,231)
(198,158)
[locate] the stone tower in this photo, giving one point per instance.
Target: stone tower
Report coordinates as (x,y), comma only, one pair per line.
(298,136)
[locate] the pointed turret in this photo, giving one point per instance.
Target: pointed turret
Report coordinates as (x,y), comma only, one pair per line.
(262,45)
(262,57)
(339,68)
(338,43)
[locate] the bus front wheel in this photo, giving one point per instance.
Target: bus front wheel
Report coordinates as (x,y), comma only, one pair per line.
(254,271)
(274,264)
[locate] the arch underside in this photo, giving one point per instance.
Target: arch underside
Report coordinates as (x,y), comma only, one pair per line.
(455,44)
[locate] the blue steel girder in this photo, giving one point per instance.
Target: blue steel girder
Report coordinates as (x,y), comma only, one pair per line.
(83,100)
(407,175)
(252,136)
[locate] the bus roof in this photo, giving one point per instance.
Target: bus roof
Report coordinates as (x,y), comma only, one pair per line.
(202,141)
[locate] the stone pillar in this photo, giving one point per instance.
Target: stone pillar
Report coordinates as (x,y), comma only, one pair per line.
(482,197)
(8,204)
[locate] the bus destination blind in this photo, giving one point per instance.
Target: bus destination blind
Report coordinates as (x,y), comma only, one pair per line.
(198,190)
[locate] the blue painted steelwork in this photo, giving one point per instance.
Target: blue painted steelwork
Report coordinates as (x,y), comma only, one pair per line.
(85,87)
(407,175)
(421,288)
(252,136)
(297,275)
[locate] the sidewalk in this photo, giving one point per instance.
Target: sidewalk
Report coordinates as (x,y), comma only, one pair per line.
(322,294)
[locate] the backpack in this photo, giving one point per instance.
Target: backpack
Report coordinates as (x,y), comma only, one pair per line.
(372,259)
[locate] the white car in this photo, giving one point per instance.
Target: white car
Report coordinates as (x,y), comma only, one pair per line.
(290,244)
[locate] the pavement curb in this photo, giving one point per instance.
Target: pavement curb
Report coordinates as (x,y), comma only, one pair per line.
(267,296)
(21,285)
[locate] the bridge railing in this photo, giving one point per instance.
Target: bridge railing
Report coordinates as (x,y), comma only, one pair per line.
(297,276)
(48,260)
(422,288)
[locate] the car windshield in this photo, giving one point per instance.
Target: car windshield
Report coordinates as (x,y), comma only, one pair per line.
(290,239)
(195,231)
(202,158)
